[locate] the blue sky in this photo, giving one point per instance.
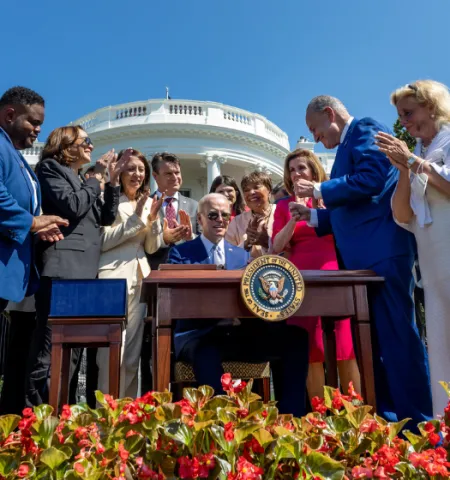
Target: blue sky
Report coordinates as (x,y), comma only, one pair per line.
(266,56)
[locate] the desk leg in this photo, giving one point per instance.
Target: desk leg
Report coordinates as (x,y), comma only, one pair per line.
(330,352)
(115,341)
(57,352)
(163,352)
(64,397)
(363,344)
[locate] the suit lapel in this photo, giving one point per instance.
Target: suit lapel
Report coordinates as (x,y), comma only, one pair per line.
(24,168)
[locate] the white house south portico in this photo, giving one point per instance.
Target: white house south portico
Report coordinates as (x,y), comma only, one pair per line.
(209,138)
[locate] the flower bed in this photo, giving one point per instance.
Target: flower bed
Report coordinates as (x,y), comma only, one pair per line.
(229,437)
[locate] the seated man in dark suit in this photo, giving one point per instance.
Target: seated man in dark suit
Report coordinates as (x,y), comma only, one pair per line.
(205,344)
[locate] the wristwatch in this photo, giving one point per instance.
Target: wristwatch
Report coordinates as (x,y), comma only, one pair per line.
(411,161)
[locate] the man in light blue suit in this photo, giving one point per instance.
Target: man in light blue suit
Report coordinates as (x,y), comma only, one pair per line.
(21,117)
(207,343)
(358,213)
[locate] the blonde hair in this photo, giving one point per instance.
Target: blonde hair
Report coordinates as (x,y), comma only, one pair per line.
(427,93)
(313,162)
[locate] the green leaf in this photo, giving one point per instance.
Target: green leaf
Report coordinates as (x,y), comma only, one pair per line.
(100,398)
(220,401)
(408,471)
(134,444)
(328,396)
(206,391)
(162,397)
(217,432)
(225,467)
(80,408)
(46,430)
(416,441)
(43,411)
(71,475)
(328,468)
(8,463)
(396,428)
(263,437)
(244,430)
(85,419)
(179,431)
(8,423)
(446,387)
(52,457)
(338,424)
(358,415)
(365,445)
(191,394)
(272,415)
(226,415)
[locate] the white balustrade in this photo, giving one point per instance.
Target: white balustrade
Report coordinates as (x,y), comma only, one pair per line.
(183,112)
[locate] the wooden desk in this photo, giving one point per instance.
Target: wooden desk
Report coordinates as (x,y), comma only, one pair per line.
(176,294)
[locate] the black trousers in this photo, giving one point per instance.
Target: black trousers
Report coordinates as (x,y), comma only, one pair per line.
(255,341)
(21,331)
(3,304)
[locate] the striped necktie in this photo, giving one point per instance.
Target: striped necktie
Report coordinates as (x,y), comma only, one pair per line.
(170,213)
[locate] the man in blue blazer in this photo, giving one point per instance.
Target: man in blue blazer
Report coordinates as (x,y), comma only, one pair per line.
(21,117)
(206,344)
(358,213)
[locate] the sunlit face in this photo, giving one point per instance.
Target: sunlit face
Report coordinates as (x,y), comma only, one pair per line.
(133,176)
(415,117)
(299,169)
(81,150)
(228,191)
(24,124)
(256,196)
(323,127)
(168,178)
(215,218)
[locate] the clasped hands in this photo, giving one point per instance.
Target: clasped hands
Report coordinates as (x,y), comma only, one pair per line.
(395,149)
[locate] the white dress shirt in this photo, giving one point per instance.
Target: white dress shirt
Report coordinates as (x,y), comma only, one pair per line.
(314,221)
(216,252)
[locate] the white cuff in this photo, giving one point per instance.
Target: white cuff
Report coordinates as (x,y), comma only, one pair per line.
(317,192)
(314,220)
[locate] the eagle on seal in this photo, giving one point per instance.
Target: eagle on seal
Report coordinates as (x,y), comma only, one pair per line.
(272,289)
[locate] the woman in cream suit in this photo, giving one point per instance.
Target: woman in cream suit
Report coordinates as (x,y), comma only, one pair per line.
(124,245)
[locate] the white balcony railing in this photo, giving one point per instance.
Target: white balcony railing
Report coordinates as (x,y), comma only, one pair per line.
(182,112)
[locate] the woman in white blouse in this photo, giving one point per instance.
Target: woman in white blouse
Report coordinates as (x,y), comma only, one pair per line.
(134,233)
(421,204)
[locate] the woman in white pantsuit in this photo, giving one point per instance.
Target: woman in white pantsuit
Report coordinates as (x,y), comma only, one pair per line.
(421,204)
(124,245)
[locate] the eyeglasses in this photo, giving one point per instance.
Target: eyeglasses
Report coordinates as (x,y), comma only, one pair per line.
(86,141)
(214,216)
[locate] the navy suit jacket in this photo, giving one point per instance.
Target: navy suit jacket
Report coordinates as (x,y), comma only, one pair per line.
(358,201)
(18,274)
(192,252)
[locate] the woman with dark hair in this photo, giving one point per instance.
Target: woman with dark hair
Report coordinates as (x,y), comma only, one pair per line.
(125,243)
(227,186)
(65,193)
(252,229)
(310,252)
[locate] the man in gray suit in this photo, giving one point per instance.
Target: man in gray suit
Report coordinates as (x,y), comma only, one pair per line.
(177,226)
(178,217)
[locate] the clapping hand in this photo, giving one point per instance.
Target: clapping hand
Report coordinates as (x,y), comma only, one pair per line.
(115,167)
(256,233)
(299,212)
(185,221)
(173,235)
(102,164)
(156,207)
(140,204)
(395,149)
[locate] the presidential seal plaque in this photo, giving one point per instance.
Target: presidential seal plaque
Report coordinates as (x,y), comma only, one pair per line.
(272,288)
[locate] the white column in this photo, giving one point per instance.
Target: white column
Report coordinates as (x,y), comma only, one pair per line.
(213,169)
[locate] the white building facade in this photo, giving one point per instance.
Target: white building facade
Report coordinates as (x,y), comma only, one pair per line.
(209,138)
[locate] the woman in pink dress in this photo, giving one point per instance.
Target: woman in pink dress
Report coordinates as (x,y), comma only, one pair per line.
(307,251)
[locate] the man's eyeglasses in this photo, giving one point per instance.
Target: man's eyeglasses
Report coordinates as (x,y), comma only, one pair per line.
(214,216)
(86,141)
